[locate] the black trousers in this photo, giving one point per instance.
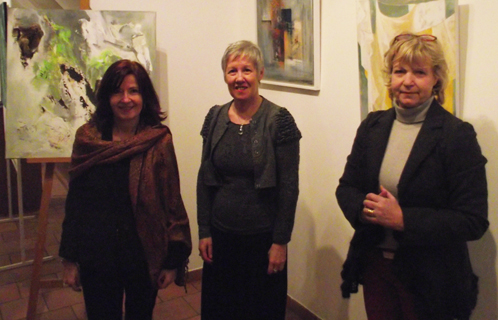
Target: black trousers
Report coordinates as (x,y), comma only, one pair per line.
(124,275)
(236,285)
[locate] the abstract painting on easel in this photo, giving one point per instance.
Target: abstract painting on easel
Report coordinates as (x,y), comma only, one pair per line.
(55,59)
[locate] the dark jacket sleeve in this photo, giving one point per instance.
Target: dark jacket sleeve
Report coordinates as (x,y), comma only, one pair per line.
(204,192)
(74,221)
(462,212)
(287,162)
(68,248)
(353,186)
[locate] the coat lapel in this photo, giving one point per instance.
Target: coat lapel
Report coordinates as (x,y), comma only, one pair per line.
(427,139)
(378,136)
(221,124)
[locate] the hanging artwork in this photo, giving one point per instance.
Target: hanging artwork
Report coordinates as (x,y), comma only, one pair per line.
(3,53)
(289,36)
(55,59)
(379,21)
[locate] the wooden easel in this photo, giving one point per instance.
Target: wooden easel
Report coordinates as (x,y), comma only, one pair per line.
(36,283)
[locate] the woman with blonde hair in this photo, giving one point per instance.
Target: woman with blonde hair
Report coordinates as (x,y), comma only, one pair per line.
(414,189)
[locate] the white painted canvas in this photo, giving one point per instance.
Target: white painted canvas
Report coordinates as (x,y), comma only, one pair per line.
(54,61)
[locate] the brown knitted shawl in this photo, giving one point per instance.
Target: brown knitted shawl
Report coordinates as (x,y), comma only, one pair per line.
(154,185)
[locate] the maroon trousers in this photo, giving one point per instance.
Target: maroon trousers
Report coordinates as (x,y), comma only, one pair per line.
(386,298)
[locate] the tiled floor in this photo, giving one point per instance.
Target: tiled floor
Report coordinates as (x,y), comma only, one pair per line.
(64,303)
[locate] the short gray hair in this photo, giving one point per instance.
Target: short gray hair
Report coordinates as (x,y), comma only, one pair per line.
(243,48)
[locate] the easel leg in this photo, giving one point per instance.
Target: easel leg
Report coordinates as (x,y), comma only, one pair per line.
(40,243)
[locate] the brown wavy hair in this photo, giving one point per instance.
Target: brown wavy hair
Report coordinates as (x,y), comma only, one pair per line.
(113,78)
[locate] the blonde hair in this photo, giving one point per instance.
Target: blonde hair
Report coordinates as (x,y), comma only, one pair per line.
(243,48)
(415,49)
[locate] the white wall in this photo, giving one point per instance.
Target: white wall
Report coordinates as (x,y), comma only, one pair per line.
(191,37)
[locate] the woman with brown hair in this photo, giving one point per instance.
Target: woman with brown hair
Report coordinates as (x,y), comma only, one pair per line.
(126,231)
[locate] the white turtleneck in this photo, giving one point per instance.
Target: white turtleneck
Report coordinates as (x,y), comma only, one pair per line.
(405,129)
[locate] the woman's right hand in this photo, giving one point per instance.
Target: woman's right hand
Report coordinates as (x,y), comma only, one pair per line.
(206,249)
(71,275)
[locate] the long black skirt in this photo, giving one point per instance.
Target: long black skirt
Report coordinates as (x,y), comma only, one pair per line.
(236,285)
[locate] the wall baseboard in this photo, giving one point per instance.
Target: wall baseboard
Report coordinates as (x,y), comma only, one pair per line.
(296,307)
(194,275)
(300,310)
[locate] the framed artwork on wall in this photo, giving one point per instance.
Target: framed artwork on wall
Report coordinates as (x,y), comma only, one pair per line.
(289,37)
(3,49)
(55,59)
(379,21)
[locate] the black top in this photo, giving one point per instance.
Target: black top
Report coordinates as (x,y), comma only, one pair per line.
(99,200)
(237,206)
(254,180)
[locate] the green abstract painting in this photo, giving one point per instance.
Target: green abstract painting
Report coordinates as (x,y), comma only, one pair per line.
(55,59)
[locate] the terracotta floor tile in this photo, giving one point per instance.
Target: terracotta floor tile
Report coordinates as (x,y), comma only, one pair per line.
(194,300)
(9,292)
(79,311)
(53,250)
(10,246)
(197,285)
(52,266)
(4,260)
(24,286)
(6,278)
(15,245)
(16,256)
(20,273)
(14,235)
(61,314)
(174,291)
(60,298)
(57,234)
(8,226)
(51,240)
(17,309)
(175,309)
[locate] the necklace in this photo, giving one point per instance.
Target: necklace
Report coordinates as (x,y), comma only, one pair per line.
(240,120)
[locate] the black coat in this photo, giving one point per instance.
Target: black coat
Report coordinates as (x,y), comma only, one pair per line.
(442,192)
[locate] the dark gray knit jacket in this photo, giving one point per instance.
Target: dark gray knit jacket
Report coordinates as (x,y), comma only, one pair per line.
(275,149)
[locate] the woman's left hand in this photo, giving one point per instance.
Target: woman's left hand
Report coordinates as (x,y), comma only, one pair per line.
(383,209)
(166,277)
(277,257)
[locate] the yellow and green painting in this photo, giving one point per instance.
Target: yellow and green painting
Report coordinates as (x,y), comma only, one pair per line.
(55,59)
(379,21)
